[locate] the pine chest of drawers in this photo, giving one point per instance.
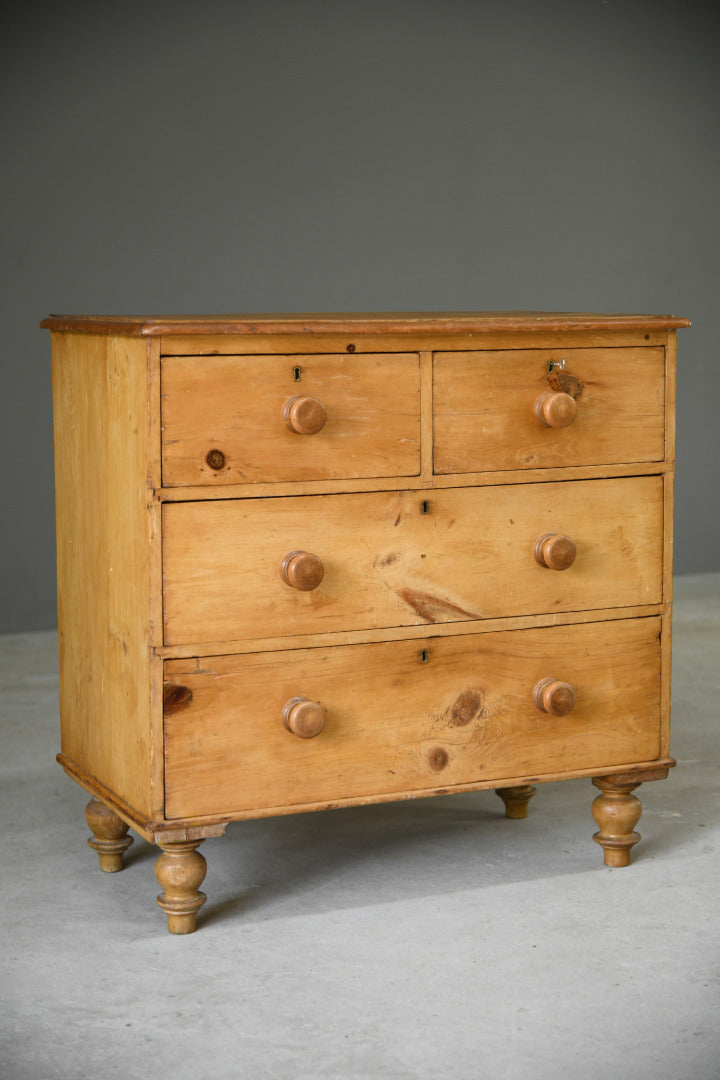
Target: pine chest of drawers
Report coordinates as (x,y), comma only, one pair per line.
(315,561)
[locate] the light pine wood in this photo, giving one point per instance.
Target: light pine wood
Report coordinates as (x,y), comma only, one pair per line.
(554,409)
(669,486)
(204,826)
(372,342)
(485,408)
(327,560)
(426,478)
(236,405)
(404,322)
(109,836)
(368,637)
(516,800)
(409,483)
(304,415)
(404,714)
(180,869)
(398,559)
(104,552)
(617,812)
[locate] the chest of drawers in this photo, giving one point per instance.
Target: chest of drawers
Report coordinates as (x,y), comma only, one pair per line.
(315,561)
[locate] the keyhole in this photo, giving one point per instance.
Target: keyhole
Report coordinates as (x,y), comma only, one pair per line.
(424,656)
(426,507)
(297,374)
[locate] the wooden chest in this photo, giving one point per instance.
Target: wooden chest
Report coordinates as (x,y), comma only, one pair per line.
(324,560)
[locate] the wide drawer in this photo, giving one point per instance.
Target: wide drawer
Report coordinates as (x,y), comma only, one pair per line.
(223,418)
(403,558)
(407,716)
(485,408)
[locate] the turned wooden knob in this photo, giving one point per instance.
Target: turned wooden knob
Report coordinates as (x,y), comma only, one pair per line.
(555,551)
(302,570)
(554,697)
(304,415)
(555,409)
(303,717)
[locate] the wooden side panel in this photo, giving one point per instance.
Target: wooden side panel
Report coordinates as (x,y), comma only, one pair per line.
(484,404)
(670,398)
(233,404)
(407,715)
(395,559)
(100,391)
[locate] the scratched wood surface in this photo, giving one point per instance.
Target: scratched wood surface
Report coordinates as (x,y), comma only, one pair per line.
(233,404)
(483,408)
(408,715)
(407,322)
(403,558)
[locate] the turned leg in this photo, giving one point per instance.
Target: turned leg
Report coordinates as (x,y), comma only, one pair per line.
(109,838)
(617,812)
(516,800)
(180,869)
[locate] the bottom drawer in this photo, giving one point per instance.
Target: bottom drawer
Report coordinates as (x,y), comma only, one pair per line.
(408,716)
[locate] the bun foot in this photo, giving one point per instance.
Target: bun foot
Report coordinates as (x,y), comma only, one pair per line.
(109,838)
(516,800)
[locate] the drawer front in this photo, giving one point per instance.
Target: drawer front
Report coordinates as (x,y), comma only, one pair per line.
(407,558)
(223,422)
(485,417)
(407,715)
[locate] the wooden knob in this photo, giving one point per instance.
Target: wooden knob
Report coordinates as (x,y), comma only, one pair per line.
(303,717)
(555,551)
(304,415)
(554,697)
(302,570)
(555,409)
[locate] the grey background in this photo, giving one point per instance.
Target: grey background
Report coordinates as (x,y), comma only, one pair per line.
(332,155)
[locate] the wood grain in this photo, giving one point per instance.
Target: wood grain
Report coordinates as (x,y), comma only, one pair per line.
(368,637)
(387,563)
(410,483)
(484,404)
(413,660)
(235,405)
(409,322)
(402,715)
(374,340)
(104,545)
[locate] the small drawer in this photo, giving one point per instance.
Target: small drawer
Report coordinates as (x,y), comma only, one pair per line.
(249,419)
(264,568)
(295,729)
(541,408)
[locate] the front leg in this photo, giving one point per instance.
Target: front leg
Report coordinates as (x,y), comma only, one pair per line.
(617,812)
(109,838)
(180,869)
(516,800)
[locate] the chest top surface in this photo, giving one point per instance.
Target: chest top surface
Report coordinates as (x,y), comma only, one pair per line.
(359,322)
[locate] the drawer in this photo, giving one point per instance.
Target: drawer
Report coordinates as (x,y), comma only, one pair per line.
(408,715)
(226,419)
(406,558)
(485,408)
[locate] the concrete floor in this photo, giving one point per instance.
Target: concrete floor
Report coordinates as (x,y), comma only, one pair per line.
(432,939)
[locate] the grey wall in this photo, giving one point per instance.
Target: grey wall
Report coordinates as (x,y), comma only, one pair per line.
(401,154)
